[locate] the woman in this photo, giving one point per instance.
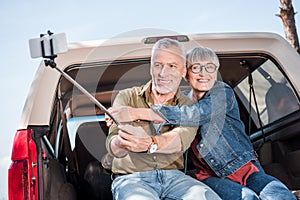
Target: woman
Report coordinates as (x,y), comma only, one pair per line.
(222,152)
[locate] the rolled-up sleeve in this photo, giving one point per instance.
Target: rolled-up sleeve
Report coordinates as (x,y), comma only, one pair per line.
(180,116)
(187,135)
(113,132)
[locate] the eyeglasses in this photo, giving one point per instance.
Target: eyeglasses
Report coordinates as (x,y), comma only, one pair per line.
(197,68)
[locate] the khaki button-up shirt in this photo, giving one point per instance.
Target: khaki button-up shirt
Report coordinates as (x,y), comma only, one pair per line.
(139,97)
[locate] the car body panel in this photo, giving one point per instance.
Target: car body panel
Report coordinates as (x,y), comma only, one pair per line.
(66,131)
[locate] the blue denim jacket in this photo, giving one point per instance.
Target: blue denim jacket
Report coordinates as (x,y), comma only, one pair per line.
(224,145)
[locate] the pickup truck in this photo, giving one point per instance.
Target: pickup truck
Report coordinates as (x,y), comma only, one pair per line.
(60,140)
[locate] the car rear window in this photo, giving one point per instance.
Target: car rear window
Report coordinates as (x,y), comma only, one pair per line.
(273,92)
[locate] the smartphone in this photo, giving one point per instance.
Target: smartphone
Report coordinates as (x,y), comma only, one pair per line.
(43,44)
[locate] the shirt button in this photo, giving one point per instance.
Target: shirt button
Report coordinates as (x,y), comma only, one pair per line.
(201,145)
(212,160)
(154,157)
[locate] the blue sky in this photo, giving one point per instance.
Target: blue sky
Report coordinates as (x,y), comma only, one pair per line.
(99,19)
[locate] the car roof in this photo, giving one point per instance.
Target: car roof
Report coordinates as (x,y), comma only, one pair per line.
(40,99)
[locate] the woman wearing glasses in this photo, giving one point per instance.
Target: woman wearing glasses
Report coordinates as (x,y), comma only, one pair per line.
(222,152)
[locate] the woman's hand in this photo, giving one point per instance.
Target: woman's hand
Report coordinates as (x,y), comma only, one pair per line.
(124,113)
(130,114)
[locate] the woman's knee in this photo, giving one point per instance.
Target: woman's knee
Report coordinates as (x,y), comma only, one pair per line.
(276,190)
(248,194)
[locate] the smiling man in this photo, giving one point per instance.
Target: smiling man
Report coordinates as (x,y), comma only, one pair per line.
(147,161)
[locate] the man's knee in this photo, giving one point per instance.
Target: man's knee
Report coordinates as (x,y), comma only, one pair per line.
(201,191)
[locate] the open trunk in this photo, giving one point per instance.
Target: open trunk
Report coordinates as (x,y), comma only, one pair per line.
(65,148)
(80,169)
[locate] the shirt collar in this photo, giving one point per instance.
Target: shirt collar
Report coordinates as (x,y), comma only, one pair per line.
(146,92)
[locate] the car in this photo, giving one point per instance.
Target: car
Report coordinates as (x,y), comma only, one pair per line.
(60,140)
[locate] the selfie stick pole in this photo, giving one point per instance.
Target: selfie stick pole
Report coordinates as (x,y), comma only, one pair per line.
(49,61)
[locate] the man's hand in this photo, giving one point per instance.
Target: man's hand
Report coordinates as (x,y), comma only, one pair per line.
(108,120)
(133,138)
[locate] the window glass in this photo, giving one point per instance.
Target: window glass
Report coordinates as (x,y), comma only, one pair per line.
(75,123)
(274,95)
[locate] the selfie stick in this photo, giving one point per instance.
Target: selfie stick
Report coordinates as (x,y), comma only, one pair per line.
(49,61)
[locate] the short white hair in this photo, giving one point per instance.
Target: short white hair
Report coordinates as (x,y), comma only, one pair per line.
(202,54)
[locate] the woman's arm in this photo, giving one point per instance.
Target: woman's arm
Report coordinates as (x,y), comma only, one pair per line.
(215,105)
(129,114)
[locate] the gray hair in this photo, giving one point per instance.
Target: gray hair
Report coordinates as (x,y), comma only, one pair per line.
(167,43)
(202,54)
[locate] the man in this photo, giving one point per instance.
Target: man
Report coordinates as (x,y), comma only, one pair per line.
(146,161)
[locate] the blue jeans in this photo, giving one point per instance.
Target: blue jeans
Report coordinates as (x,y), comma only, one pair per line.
(160,184)
(259,186)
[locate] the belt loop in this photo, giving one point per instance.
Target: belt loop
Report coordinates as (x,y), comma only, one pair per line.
(114,176)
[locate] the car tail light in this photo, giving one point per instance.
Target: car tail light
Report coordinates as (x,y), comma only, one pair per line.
(23,172)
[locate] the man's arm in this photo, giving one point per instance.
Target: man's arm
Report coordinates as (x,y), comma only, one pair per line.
(178,139)
(173,141)
(136,139)
(119,143)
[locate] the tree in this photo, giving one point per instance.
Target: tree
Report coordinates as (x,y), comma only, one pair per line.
(287,16)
